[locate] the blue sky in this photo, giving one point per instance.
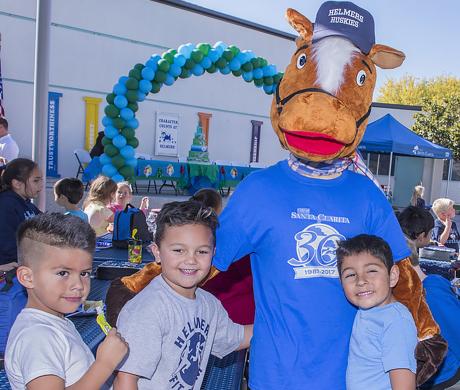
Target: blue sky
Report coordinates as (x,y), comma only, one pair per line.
(427,31)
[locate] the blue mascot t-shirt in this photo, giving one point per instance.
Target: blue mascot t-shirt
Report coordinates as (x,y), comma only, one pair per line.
(290,225)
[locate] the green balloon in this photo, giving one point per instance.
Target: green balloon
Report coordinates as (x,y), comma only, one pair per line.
(212,69)
(132,83)
(258,82)
(110,150)
(197,55)
(204,48)
(136,74)
(118,123)
(131,95)
(263,61)
(118,161)
(134,142)
(255,62)
(133,106)
(127,171)
(228,54)
(106,141)
(155,87)
(110,98)
(160,76)
(168,57)
(268,80)
(111,111)
(237,72)
(221,63)
(139,66)
(247,67)
(172,51)
(163,65)
(185,74)
(128,133)
(234,50)
(189,64)
(277,77)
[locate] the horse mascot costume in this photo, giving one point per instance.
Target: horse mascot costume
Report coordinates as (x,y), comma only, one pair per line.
(290,216)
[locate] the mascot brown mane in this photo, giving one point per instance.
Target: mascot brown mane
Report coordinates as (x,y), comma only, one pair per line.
(320,112)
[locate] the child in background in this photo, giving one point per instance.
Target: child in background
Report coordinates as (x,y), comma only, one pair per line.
(171,325)
(417,224)
(383,339)
(124,195)
(68,193)
(21,181)
(445,230)
(44,350)
(417,197)
(101,193)
(210,198)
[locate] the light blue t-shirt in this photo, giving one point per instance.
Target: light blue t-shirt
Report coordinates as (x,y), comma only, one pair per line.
(77,213)
(383,339)
(290,225)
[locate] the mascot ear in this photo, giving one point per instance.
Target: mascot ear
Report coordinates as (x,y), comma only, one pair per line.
(386,57)
(300,23)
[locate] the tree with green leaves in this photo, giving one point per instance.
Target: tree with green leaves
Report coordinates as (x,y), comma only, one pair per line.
(439,121)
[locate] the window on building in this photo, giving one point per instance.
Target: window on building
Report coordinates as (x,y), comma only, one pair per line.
(379,163)
(455,170)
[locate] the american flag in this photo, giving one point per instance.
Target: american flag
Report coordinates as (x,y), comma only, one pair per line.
(2,110)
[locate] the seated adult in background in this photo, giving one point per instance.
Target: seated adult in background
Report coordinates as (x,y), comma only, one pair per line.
(98,148)
(417,224)
(9,149)
(445,230)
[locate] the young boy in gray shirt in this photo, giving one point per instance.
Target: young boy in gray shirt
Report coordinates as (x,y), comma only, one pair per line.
(172,326)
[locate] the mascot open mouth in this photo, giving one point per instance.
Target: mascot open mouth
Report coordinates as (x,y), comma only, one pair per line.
(314,143)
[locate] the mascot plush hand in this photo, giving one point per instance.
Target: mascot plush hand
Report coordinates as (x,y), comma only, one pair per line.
(289,217)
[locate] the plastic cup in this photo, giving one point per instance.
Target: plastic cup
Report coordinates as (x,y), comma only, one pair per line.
(135,251)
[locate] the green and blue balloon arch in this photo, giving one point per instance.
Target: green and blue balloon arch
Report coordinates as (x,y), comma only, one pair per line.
(118,160)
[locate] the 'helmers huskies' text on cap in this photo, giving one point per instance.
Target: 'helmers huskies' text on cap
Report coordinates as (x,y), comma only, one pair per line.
(345,19)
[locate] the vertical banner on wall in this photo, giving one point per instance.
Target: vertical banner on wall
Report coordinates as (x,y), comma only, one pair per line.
(91,121)
(53,132)
(255,141)
(166,136)
(204,121)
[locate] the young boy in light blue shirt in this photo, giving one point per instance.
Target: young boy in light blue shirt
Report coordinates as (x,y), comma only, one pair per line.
(384,336)
(68,193)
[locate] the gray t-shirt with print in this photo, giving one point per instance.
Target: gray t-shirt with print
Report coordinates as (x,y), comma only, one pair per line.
(170,337)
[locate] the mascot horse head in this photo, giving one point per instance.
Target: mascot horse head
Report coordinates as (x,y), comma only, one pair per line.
(322,104)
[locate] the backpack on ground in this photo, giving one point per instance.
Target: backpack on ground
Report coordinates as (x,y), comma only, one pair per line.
(125,221)
(13,298)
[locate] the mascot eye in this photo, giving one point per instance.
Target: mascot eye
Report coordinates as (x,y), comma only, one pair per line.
(361,77)
(301,61)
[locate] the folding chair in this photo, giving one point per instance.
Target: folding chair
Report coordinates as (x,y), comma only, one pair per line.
(83,159)
(226,373)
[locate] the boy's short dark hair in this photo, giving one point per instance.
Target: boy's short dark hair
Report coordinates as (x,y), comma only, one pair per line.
(71,188)
(414,221)
(58,230)
(365,243)
(185,213)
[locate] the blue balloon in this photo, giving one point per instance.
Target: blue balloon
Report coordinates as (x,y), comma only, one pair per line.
(206,62)
(145,85)
(249,54)
(148,73)
(132,162)
(152,64)
(104,159)
(120,101)
(185,50)
(213,55)
(119,89)
(234,64)
(127,151)
(119,141)
(109,170)
(117,178)
(169,80)
(106,121)
(241,56)
(247,76)
(197,70)
(123,79)
(225,70)
(140,96)
(220,47)
(110,132)
(268,89)
(258,74)
(126,113)
(133,123)
(179,60)
(175,70)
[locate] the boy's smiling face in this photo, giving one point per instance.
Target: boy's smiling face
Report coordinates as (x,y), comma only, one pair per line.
(185,254)
(366,281)
(57,279)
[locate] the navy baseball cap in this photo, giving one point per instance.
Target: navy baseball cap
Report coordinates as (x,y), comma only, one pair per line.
(345,19)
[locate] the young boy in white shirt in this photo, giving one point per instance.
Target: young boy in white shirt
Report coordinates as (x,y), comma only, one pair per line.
(44,350)
(172,326)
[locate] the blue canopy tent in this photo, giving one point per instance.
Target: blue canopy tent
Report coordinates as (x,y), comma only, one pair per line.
(387,135)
